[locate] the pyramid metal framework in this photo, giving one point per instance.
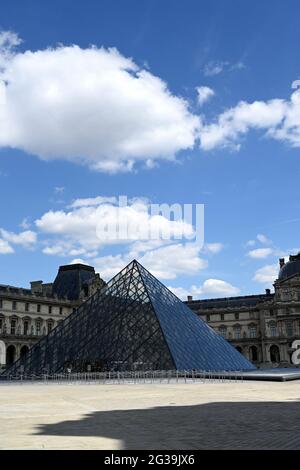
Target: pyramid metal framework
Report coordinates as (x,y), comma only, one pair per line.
(134,322)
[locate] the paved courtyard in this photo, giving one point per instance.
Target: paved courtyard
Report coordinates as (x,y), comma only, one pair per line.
(238,415)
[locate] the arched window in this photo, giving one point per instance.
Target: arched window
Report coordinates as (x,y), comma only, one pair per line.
(10,354)
(24,350)
(274,353)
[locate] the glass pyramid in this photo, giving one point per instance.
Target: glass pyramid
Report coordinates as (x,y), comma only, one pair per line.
(133,323)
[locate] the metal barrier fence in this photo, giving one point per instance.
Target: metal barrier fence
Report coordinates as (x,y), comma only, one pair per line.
(135,377)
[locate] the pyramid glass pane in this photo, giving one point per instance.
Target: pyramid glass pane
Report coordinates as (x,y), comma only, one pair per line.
(193,343)
(134,322)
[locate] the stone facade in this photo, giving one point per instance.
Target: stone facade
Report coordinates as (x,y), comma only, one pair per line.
(265,328)
(26,315)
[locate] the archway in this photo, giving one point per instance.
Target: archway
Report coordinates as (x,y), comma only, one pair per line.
(24,350)
(253,353)
(274,353)
(10,355)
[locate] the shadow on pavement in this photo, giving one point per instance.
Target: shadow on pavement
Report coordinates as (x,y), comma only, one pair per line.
(235,425)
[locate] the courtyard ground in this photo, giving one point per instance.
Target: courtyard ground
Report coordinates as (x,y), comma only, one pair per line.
(232,415)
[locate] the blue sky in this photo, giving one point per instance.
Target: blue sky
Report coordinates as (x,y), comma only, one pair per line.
(68,133)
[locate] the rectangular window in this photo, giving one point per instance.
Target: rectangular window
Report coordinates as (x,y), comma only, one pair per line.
(207,318)
(252,332)
(222,316)
(26,327)
(237,333)
(14,305)
(38,328)
(26,307)
(273,330)
(49,326)
(13,327)
(236,316)
(38,308)
(50,309)
(60,310)
(223,332)
(1,303)
(289,328)
(1,325)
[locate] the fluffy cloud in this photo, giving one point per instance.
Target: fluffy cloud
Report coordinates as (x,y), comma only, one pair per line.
(77,231)
(171,261)
(279,118)
(25,239)
(165,262)
(204,94)
(92,106)
(5,247)
(210,287)
(267,274)
(260,253)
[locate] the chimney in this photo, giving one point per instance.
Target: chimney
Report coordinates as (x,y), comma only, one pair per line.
(36,286)
(189,298)
(281,262)
(268,291)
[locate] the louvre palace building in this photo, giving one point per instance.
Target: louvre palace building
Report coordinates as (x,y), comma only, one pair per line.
(264,327)
(26,315)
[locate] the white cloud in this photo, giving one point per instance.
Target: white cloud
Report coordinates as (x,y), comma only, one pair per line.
(59,189)
(5,247)
(267,274)
(234,122)
(260,253)
(214,68)
(204,94)
(165,262)
(263,239)
(171,261)
(93,201)
(213,247)
(250,243)
(210,287)
(91,106)
(77,261)
(8,41)
(25,224)
(25,239)
(278,117)
(78,228)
